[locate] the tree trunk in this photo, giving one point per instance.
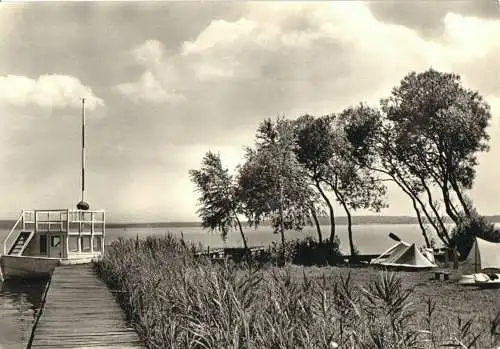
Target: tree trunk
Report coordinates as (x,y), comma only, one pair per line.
(241,232)
(449,178)
(330,209)
(349,223)
(436,213)
(460,197)
(282,228)
(420,222)
(450,209)
(406,188)
(417,211)
(316,223)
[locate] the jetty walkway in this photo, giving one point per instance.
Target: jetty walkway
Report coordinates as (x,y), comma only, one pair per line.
(79,311)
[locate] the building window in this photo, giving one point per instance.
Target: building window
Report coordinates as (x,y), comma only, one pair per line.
(73,244)
(85,241)
(55,241)
(97,244)
(43,244)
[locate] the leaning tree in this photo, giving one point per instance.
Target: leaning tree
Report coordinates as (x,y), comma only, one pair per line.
(272,183)
(437,129)
(314,150)
(351,176)
(219,200)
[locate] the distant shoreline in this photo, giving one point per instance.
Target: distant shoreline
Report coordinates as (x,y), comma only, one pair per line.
(342,220)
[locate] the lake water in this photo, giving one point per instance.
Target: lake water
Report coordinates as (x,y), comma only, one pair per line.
(370,239)
(19,301)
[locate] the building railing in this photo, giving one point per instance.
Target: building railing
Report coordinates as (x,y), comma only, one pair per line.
(53,216)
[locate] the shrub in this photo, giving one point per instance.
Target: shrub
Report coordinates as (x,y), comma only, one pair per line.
(463,234)
(310,252)
(301,252)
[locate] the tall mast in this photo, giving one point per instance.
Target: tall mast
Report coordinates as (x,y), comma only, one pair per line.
(83,149)
(82,205)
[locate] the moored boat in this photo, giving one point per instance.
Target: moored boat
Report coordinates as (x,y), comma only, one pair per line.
(40,240)
(43,239)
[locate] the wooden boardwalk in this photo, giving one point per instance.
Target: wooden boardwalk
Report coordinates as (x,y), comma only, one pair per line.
(79,311)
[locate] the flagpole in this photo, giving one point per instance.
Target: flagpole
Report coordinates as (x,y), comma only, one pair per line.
(83,149)
(82,205)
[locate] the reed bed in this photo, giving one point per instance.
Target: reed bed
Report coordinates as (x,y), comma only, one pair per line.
(177,301)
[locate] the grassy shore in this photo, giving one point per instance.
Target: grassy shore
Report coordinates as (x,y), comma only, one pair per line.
(176,301)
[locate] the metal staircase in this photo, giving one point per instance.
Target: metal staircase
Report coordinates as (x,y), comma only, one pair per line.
(22,241)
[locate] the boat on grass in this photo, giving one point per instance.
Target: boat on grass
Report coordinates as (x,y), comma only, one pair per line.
(484,280)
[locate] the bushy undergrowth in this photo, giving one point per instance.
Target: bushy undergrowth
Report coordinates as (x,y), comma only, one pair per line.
(468,228)
(175,301)
(305,251)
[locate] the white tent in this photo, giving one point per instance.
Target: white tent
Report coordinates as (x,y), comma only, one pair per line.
(403,255)
(484,255)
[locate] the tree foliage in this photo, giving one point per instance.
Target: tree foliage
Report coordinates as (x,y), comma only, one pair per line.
(425,137)
(440,127)
(336,151)
(219,198)
(434,129)
(272,183)
(355,184)
(315,147)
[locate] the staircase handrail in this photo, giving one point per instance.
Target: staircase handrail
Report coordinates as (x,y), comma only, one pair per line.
(10,233)
(26,242)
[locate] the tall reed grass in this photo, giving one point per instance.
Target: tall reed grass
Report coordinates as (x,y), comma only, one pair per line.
(176,301)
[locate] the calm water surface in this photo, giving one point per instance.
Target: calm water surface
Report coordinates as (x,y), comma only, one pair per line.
(370,239)
(19,301)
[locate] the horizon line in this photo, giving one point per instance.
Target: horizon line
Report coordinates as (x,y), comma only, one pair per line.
(195,221)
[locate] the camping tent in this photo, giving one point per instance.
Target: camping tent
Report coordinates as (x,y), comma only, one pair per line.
(484,255)
(403,255)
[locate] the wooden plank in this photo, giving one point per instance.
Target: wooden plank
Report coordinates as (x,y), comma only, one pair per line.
(80,312)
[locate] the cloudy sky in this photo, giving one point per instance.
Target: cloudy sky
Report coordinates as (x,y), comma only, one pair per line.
(165,82)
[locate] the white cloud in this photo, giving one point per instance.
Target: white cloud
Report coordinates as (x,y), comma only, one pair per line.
(470,37)
(219,33)
(149,89)
(332,46)
(292,57)
(47,91)
(158,83)
(149,52)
